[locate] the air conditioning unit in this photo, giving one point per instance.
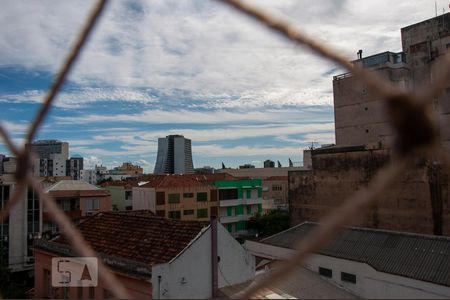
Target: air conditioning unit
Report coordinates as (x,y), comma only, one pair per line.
(90,213)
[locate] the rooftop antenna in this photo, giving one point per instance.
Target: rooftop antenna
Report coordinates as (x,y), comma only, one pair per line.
(435,7)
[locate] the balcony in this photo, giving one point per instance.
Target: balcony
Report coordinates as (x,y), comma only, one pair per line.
(230,219)
(232,202)
(252,201)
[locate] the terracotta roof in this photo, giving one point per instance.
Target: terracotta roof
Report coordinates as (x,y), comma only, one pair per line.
(210,178)
(173,180)
(137,235)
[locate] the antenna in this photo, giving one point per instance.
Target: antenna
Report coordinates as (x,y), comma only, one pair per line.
(435,7)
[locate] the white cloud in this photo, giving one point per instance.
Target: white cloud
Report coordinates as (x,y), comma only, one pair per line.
(183,116)
(89,162)
(81,97)
(201,47)
(215,150)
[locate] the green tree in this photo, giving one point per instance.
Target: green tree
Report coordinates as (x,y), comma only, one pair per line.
(269,224)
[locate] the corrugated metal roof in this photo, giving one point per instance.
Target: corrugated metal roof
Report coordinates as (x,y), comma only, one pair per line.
(417,256)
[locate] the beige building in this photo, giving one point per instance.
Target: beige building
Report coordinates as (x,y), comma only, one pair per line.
(176,197)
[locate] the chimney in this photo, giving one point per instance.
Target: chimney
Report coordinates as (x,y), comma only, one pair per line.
(359,54)
(214,258)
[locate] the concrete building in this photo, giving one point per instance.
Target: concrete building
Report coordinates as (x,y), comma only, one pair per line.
(165,259)
(89,176)
(360,116)
(51,157)
(417,202)
(275,192)
(128,168)
(121,194)
(239,200)
(18,232)
(371,264)
(260,173)
(74,166)
(174,156)
(269,163)
(78,199)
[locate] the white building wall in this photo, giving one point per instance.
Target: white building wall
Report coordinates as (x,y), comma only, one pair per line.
(88,176)
(188,276)
(370,283)
(144,199)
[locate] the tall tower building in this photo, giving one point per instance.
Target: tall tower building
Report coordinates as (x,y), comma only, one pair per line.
(51,157)
(174,155)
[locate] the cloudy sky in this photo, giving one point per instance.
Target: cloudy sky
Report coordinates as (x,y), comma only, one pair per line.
(197,68)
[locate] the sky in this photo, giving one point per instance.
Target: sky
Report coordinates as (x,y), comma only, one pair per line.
(241,93)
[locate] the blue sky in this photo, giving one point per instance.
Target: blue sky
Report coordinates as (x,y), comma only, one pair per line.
(196,68)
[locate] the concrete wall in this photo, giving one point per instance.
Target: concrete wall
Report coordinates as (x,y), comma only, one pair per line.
(144,199)
(370,283)
(188,276)
(406,206)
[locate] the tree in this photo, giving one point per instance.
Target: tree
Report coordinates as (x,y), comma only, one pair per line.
(269,224)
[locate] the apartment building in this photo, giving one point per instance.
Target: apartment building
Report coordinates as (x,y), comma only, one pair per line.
(180,197)
(239,200)
(174,155)
(51,157)
(78,199)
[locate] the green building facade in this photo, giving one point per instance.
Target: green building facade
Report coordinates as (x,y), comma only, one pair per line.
(239,200)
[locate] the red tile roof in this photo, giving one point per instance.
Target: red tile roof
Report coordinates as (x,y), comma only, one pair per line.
(137,235)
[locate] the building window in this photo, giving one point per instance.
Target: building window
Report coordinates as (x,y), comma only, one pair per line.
(277,187)
(326,272)
(160,198)
(202,213)
(347,277)
(248,194)
(249,209)
(92,204)
(91,292)
(161,213)
(174,198)
(188,212)
(175,214)
(228,194)
(230,211)
(188,195)
(202,197)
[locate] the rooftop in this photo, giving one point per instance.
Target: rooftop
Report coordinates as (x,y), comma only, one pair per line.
(71,185)
(301,284)
(417,256)
(137,235)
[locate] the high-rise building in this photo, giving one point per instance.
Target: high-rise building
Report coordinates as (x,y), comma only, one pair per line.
(174,155)
(73,167)
(51,157)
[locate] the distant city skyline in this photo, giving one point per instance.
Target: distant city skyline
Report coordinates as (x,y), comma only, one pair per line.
(198,69)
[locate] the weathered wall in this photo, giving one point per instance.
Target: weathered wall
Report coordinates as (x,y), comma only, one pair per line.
(188,276)
(407,206)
